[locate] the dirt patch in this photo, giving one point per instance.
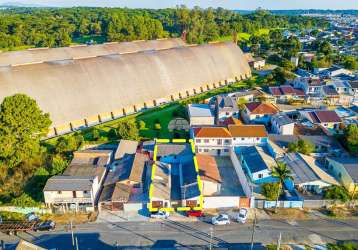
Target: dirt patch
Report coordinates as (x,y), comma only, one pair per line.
(78,218)
(340,212)
(288,213)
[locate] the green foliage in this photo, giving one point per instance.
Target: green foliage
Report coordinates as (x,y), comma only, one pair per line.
(58,165)
(281,75)
(112,134)
(342,246)
(68,144)
(336,193)
(157,126)
(301,146)
(141,124)
(128,130)
(22,124)
(55,27)
(350,62)
(24,200)
(95,134)
(351,138)
(12,216)
(270,190)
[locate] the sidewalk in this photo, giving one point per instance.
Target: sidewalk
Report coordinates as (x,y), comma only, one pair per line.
(120,216)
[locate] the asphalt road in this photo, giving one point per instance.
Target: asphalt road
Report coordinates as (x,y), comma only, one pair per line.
(194,235)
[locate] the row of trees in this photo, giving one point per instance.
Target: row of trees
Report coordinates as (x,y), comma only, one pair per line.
(58,27)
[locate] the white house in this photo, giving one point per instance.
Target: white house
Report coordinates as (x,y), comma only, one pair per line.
(282,124)
(200,114)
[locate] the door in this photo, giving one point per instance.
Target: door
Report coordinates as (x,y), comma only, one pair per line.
(219,152)
(74,194)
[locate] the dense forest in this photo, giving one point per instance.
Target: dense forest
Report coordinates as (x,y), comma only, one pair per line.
(56,27)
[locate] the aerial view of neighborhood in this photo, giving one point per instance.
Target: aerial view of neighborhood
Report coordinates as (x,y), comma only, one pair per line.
(179,125)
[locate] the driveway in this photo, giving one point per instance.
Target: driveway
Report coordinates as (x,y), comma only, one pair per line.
(231,185)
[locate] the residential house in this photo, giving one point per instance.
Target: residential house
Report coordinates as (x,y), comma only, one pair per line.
(219,140)
(160,191)
(330,95)
(342,87)
(256,112)
(226,106)
(303,73)
(78,188)
(282,124)
(254,95)
(311,86)
(257,163)
(325,118)
(125,147)
(200,114)
(209,174)
(307,175)
(286,93)
(257,63)
(230,121)
(354,85)
(346,171)
(125,182)
(334,71)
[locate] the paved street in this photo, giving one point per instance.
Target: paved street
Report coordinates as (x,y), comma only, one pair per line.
(194,235)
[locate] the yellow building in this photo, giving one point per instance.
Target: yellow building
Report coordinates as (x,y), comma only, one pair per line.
(346,172)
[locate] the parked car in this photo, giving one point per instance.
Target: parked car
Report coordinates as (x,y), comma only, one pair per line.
(160,215)
(221,219)
(32,217)
(45,226)
(195,213)
(242,215)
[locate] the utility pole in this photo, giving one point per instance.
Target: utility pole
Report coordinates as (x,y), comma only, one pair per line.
(211,237)
(76,244)
(253,232)
(279,242)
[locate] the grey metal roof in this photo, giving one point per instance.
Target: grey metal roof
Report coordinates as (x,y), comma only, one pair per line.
(282,119)
(200,110)
(125,147)
(173,149)
(301,171)
(39,55)
(69,183)
(256,159)
(72,90)
(350,164)
(227,103)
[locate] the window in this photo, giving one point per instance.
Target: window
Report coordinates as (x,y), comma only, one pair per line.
(226,150)
(227,141)
(257,139)
(206,150)
(206,140)
(242,138)
(85,192)
(59,192)
(227,113)
(257,116)
(199,150)
(260,176)
(198,141)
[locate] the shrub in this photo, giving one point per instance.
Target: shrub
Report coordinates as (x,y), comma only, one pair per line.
(142,124)
(95,134)
(342,246)
(24,200)
(157,126)
(336,193)
(270,190)
(112,134)
(58,165)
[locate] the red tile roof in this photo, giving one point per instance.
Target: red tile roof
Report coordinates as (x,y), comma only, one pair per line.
(247,130)
(231,121)
(211,132)
(208,169)
(261,108)
(324,116)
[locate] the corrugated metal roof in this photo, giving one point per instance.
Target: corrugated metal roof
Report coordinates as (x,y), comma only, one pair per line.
(69,183)
(301,172)
(200,110)
(87,87)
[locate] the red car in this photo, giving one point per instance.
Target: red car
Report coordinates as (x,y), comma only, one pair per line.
(195,213)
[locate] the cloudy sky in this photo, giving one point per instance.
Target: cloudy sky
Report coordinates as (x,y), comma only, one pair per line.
(229,4)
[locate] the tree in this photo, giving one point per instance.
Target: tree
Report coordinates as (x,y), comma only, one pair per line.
(342,246)
(142,124)
(22,124)
(128,130)
(270,190)
(241,103)
(351,138)
(301,146)
(282,173)
(336,193)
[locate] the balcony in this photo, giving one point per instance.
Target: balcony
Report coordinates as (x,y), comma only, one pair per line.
(73,200)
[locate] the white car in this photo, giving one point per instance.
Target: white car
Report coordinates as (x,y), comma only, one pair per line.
(160,215)
(242,215)
(221,219)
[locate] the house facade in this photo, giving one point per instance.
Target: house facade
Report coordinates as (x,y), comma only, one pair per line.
(282,124)
(345,171)
(260,113)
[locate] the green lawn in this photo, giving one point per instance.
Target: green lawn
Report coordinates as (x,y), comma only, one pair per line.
(244,36)
(17,48)
(98,39)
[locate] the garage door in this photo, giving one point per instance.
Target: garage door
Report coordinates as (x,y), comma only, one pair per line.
(157,204)
(191,203)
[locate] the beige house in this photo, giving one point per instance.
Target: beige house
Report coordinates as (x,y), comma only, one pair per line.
(346,171)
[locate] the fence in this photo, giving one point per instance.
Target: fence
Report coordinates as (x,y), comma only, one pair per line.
(240,173)
(281,204)
(221,201)
(25,210)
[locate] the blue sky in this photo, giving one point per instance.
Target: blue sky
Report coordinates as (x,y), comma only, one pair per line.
(229,4)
